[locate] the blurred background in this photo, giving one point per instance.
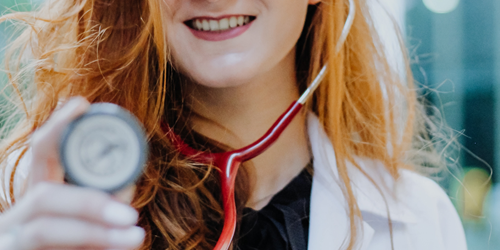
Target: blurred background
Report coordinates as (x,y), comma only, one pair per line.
(455,49)
(455,53)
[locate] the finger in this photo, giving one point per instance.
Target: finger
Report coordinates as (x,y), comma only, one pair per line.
(48,135)
(125,195)
(7,241)
(55,232)
(45,142)
(61,200)
(85,248)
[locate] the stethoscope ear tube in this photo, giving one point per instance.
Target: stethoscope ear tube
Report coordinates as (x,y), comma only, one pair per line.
(229,162)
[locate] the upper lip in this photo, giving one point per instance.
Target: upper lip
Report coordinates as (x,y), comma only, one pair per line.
(217,17)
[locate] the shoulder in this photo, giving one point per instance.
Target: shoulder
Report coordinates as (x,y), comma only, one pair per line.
(411,188)
(423,191)
(426,199)
(421,207)
(438,217)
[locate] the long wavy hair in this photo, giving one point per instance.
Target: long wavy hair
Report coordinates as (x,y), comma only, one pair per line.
(116,51)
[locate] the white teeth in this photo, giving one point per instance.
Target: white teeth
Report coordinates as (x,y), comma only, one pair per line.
(224,24)
(220,25)
(198,24)
(214,25)
(233,22)
(206,25)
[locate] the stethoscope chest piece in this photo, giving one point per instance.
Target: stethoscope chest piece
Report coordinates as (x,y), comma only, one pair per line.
(104,149)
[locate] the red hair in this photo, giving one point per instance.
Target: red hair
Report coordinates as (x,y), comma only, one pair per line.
(116,51)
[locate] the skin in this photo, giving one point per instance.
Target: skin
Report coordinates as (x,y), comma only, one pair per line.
(53,215)
(242,84)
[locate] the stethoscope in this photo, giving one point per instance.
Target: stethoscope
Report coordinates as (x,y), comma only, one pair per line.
(229,162)
(106,148)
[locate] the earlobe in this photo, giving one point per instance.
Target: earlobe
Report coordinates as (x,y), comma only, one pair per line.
(314,1)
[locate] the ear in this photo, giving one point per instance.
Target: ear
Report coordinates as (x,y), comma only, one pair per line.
(312,2)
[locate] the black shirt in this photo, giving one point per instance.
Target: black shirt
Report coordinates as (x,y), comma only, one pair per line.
(283,224)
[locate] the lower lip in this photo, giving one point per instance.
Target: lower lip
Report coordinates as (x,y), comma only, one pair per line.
(220,35)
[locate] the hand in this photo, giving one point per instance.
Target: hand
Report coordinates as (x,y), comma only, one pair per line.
(53,215)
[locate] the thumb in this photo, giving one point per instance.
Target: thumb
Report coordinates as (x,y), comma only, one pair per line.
(125,195)
(45,165)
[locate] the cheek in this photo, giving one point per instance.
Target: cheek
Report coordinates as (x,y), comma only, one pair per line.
(285,25)
(236,61)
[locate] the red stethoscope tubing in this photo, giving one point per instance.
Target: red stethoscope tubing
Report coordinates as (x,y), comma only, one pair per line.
(229,162)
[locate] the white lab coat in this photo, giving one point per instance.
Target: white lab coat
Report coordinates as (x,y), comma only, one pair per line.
(423,218)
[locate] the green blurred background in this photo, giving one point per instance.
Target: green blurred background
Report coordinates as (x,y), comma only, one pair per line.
(6,34)
(12,5)
(455,52)
(456,44)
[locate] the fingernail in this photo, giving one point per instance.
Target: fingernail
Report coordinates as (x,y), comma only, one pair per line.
(119,214)
(126,237)
(76,103)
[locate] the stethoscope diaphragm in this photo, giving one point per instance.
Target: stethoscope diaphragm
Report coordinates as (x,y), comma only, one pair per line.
(105,148)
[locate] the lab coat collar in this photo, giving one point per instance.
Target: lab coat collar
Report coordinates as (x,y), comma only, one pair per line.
(329,219)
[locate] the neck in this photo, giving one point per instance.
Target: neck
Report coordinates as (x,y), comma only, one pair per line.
(237,116)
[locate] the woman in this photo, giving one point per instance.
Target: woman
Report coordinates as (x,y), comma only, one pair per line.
(220,72)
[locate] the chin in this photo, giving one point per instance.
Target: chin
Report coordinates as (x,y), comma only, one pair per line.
(223,76)
(220,80)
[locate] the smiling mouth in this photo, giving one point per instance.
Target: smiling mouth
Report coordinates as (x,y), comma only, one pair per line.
(219,25)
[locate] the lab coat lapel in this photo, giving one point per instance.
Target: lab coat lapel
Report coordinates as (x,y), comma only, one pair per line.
(329,221)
